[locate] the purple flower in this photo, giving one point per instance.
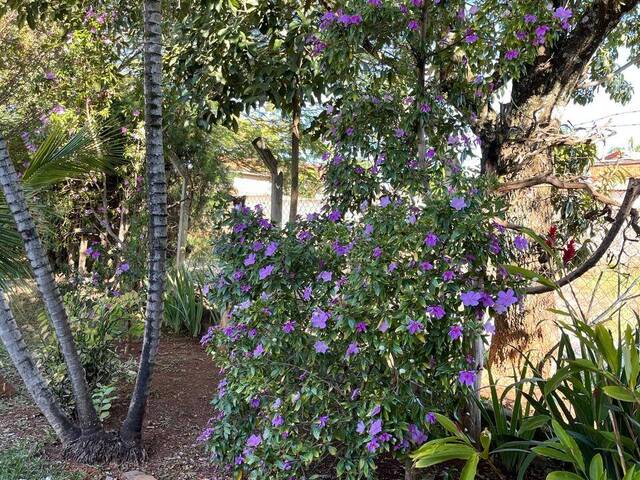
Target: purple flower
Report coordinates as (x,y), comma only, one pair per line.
(563,14)
(530,18)
(471,36)
(258,351)
(400,133)
(277,421)
(455,332)
(361,327)
(335,215)
(373,445)
(448,276)
(505,300)
(467,377)
(489,328)
(122,268)
(413,25)
(521,243)
(392,267)
(377,251)
(425,108)
(205,435)
(375,428)
(349,131)
(368,230)
(415,327)
(436,311)
(321,347)
(458,203)
(417,436)
(426,266)
(375,411)
(254,440)
(306,293)
(430,418)
(355,394)
(265,271)
(375,3)
(289,326)
(384,201)
(250,259)
(319,318)
(487,300)
(325,276)
(257,246)
(323,421)
(384,326)
(431,239)
(360,427)
(512,54)
(471,298)
(271,249)
(352,349)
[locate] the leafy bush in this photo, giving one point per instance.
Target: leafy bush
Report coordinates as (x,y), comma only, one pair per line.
(346,331)
(184,303)
(98,323)
(592,403)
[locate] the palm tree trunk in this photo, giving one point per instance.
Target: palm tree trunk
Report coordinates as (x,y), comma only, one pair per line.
(157,197)
(48,289)
(21,357)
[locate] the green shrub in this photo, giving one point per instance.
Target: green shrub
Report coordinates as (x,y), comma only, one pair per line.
(98,324)
(346,332)
(184,303)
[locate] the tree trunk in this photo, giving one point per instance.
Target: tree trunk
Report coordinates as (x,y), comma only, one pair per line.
(131,430)
(183,222)
(277,182)
(295,156)
(82,256)
(36,385)
(47,287)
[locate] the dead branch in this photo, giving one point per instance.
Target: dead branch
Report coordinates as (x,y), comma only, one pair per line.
(633,191)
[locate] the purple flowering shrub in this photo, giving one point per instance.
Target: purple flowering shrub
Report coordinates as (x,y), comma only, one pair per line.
(346,331)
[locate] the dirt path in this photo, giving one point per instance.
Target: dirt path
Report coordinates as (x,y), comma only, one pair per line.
(178,410)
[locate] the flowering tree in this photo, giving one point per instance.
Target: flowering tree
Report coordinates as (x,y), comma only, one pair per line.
(349,329)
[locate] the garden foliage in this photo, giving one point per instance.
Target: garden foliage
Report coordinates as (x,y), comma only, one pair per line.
(347,330)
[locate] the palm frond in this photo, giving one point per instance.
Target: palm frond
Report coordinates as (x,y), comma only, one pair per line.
(58,158)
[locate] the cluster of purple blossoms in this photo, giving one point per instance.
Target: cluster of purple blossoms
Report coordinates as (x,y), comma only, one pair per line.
(319,318)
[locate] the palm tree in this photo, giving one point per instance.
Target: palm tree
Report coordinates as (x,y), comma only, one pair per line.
(87,441)
(157,192)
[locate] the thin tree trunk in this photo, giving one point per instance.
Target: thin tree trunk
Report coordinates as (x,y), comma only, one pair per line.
(183,222)
(47,287)
(36,385)
(295,156)
(157,197)
(82,256)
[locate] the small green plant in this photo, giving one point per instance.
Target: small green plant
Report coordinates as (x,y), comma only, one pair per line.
(184,304)
(23,461)
(103,397)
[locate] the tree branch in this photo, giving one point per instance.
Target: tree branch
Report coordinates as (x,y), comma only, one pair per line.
(633,190)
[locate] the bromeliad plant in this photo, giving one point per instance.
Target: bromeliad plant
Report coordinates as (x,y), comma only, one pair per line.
(345,331)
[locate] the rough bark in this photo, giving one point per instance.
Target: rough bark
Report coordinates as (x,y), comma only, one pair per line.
(509,137)
(36,385)
(295,157)
(48,289)
(157,197)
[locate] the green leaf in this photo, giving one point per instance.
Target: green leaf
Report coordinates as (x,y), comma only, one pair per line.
(469,470)
(563,476)
(620,393)
(531,275)
(596,469)
(451,427)
(569,443)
